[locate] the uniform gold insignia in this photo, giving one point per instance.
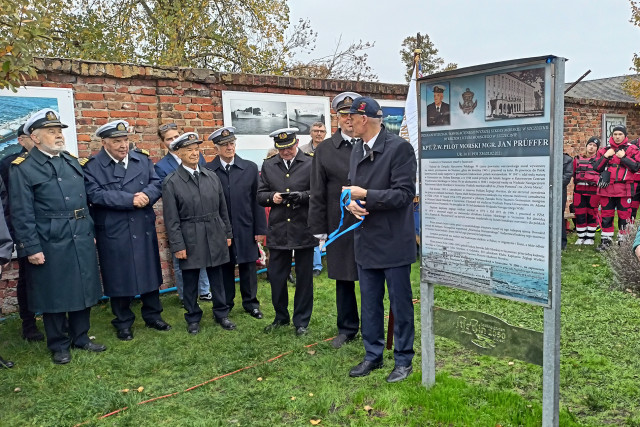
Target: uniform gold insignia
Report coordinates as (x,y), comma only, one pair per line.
(190,137)
(71,154)
(283,135)
(18,160)
(51,116)
(142,151)
(268,157)
(121,126)
(310,154)
(225,133)
(83,161)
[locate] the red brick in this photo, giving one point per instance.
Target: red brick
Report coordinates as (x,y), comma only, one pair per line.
(95,113)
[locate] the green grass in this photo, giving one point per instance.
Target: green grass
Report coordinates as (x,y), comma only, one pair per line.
(599,368)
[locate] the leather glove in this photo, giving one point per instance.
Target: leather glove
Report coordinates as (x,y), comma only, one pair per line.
(605,177)
(295,198)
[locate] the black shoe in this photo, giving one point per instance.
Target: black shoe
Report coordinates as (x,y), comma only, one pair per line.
(124,334)
(226,324)
(341,339)
(256,313)
(399,373)
(604,245)
(193,328)
(275,325)
(61,357)
(364,368)
(301,330)
(32,334)
(91,346)
(160,325)
(316,273)
(206,297)
(5,363)
(291,279)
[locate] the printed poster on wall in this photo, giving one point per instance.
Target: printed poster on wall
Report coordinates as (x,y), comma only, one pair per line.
(486,168)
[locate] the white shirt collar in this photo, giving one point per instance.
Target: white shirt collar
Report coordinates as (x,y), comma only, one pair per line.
(372,140)
(125,160)
(346,137)
(191,171)
(224,164)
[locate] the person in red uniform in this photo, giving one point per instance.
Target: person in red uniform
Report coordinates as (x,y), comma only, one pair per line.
(635,200)
(617,164)
(585,197)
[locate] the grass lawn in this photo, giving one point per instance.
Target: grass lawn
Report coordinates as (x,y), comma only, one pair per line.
(310,383)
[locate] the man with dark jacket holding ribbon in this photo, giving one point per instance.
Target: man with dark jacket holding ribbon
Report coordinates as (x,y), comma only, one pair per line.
(284,187)
(329,173)
(122,187)
(54,231)
(382,174)
(617,164)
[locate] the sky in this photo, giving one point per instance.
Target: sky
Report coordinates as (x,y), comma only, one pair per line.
(593,35)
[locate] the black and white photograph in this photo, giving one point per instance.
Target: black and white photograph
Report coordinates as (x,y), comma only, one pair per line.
(303,115)
(514,95)
(252,117)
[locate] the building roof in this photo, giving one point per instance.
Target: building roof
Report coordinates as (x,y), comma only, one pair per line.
(607,89)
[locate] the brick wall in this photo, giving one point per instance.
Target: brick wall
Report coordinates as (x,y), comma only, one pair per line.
(192,98)
(149,96)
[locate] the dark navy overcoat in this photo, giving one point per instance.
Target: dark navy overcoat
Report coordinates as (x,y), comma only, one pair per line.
(248,219)
(126,235)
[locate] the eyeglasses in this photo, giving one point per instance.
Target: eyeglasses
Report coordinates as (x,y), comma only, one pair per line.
(165,127)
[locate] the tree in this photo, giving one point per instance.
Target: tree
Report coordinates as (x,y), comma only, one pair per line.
(632,84)
(430,62)
(346,64)
(226,35)
(23,30)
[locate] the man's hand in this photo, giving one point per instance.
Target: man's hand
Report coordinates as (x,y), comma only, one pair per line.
(181,254)
(356,210)
(228,242)
(357,193)
(620,153)
(277,198)
(610,153)
(36,259)
(259,237)
(140,200)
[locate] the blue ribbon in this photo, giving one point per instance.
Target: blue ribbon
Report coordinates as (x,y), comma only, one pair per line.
(345,200)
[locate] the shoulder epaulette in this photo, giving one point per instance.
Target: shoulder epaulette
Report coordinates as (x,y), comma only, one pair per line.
(71,154)
(20,159)
(309,154)
(143,151)
(83,161)
(268,157)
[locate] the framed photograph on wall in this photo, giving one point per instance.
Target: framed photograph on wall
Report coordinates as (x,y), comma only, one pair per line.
(392,114)
(255,115)
(609,121)
(17,107)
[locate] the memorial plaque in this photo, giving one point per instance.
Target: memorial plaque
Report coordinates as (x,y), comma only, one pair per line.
(488,335)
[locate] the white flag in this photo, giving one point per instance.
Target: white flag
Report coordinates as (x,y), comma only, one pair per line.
(409,127)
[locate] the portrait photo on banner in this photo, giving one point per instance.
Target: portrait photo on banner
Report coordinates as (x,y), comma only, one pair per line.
(437,98)
(17,107)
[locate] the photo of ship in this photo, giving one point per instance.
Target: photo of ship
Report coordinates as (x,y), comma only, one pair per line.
(392,118)
(302,115)
(258,117)
(460,272)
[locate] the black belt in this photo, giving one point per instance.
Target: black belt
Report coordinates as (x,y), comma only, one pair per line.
(75,214)
(201,218)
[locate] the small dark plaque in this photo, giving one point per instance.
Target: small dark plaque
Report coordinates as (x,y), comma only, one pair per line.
(488,335)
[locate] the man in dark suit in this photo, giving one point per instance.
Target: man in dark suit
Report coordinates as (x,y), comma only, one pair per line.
(329,173)
(438,111)
(30,331)
(167,133)
(284,187)
(198,227)
(122,187)
(54,231)
(239,178)
(382,174)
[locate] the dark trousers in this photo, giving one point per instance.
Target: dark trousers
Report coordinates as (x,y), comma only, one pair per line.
(57,337)
(248,284)
(278,270)
(347,308)
(121,308)
(372,306)
(190,294)
(28,318)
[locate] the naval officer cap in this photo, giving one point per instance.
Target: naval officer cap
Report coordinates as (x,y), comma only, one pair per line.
(367,107)
(223,136)
(438,89)
(113,129)
(46,118)
(284,138)
(184,140)
(21,130)
(342,102)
